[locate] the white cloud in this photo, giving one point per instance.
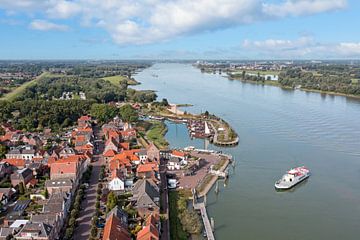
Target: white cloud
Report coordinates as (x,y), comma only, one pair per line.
(303,47)
(303,7)
(43,25)
(150,21)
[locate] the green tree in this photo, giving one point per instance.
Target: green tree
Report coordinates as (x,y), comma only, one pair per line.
(128,113)
(46,193)
(3,150)
(21,188)
(69,232)
(111,201)
(103,112)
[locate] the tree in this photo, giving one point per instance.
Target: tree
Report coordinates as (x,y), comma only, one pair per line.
(111,201)
(3,150)
(103,112)
(69,232)
(46,193)
(21,188)
(93,231)
(128,113)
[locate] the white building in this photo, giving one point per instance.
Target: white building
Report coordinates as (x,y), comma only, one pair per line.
(116,184)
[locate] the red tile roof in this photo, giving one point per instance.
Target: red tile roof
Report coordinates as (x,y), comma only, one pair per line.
(80,138)
(131,132)
(149,232)
(85,118)
(109,153)
(37,159)
(63,168)
(125,145)
(74,158)
(114,231)
(18,162)
(147,167)
(178,153)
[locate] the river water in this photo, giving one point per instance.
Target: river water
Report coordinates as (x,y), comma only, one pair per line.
(278,129)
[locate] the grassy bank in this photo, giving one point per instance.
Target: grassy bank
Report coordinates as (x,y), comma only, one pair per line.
(277,84)
(19,90)
(116,80)
(183,222)
(156,134)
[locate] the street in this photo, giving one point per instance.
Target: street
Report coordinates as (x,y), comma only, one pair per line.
(82,231)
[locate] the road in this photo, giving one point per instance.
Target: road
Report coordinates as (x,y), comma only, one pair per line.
(82,231)
(165,227)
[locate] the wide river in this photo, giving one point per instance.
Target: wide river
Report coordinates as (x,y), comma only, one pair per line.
(278,129)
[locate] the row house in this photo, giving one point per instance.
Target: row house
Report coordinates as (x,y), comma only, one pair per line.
(35,231)
(153,153)
(27,152)
(19,163)
(24,176)
(150,230)
(146,197)
(148,170)
(84,120)
(59,185)
(5,169)
(116,226)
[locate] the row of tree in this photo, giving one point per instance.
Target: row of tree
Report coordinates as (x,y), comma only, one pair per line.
(34,115)
(340,82)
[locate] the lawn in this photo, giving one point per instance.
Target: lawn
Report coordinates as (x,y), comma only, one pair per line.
(17,91)
(355,80)
(117,79)
(156,134)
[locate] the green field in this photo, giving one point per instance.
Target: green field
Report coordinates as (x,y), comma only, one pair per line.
(117,79)
(15,92)
(156,134)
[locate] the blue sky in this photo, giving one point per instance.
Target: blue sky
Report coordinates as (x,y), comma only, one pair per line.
(179,29)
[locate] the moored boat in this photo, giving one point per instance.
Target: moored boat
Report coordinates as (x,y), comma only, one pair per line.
(292,177)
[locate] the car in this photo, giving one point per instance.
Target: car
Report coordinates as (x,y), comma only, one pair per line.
(3,209)
(100,225)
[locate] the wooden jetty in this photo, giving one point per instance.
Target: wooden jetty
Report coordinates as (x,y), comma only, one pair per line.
(206,221)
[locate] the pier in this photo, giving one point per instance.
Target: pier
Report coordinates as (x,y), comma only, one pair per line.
(218,142)
(206,221)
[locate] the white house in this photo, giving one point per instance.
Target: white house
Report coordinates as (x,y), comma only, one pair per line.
(117,182)
(142,154)
(173,164)
(180,155)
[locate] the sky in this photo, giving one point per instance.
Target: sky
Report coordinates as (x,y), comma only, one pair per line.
(179,29)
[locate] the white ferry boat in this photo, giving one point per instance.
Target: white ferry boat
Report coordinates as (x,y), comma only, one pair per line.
(292,177)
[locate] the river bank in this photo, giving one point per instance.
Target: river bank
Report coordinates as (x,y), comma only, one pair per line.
(277,84)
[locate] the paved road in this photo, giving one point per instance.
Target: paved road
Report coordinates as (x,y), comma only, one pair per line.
(82,231)
(165,227)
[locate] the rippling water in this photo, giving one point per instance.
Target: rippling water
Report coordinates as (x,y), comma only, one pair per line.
(278,129)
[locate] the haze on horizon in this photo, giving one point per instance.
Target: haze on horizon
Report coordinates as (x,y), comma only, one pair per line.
(179,29)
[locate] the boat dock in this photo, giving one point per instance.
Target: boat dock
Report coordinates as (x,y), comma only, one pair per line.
(206,221)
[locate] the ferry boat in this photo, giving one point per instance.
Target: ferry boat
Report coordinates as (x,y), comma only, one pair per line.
(292,177)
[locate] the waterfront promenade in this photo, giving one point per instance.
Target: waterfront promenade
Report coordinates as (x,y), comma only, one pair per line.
(205,218)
